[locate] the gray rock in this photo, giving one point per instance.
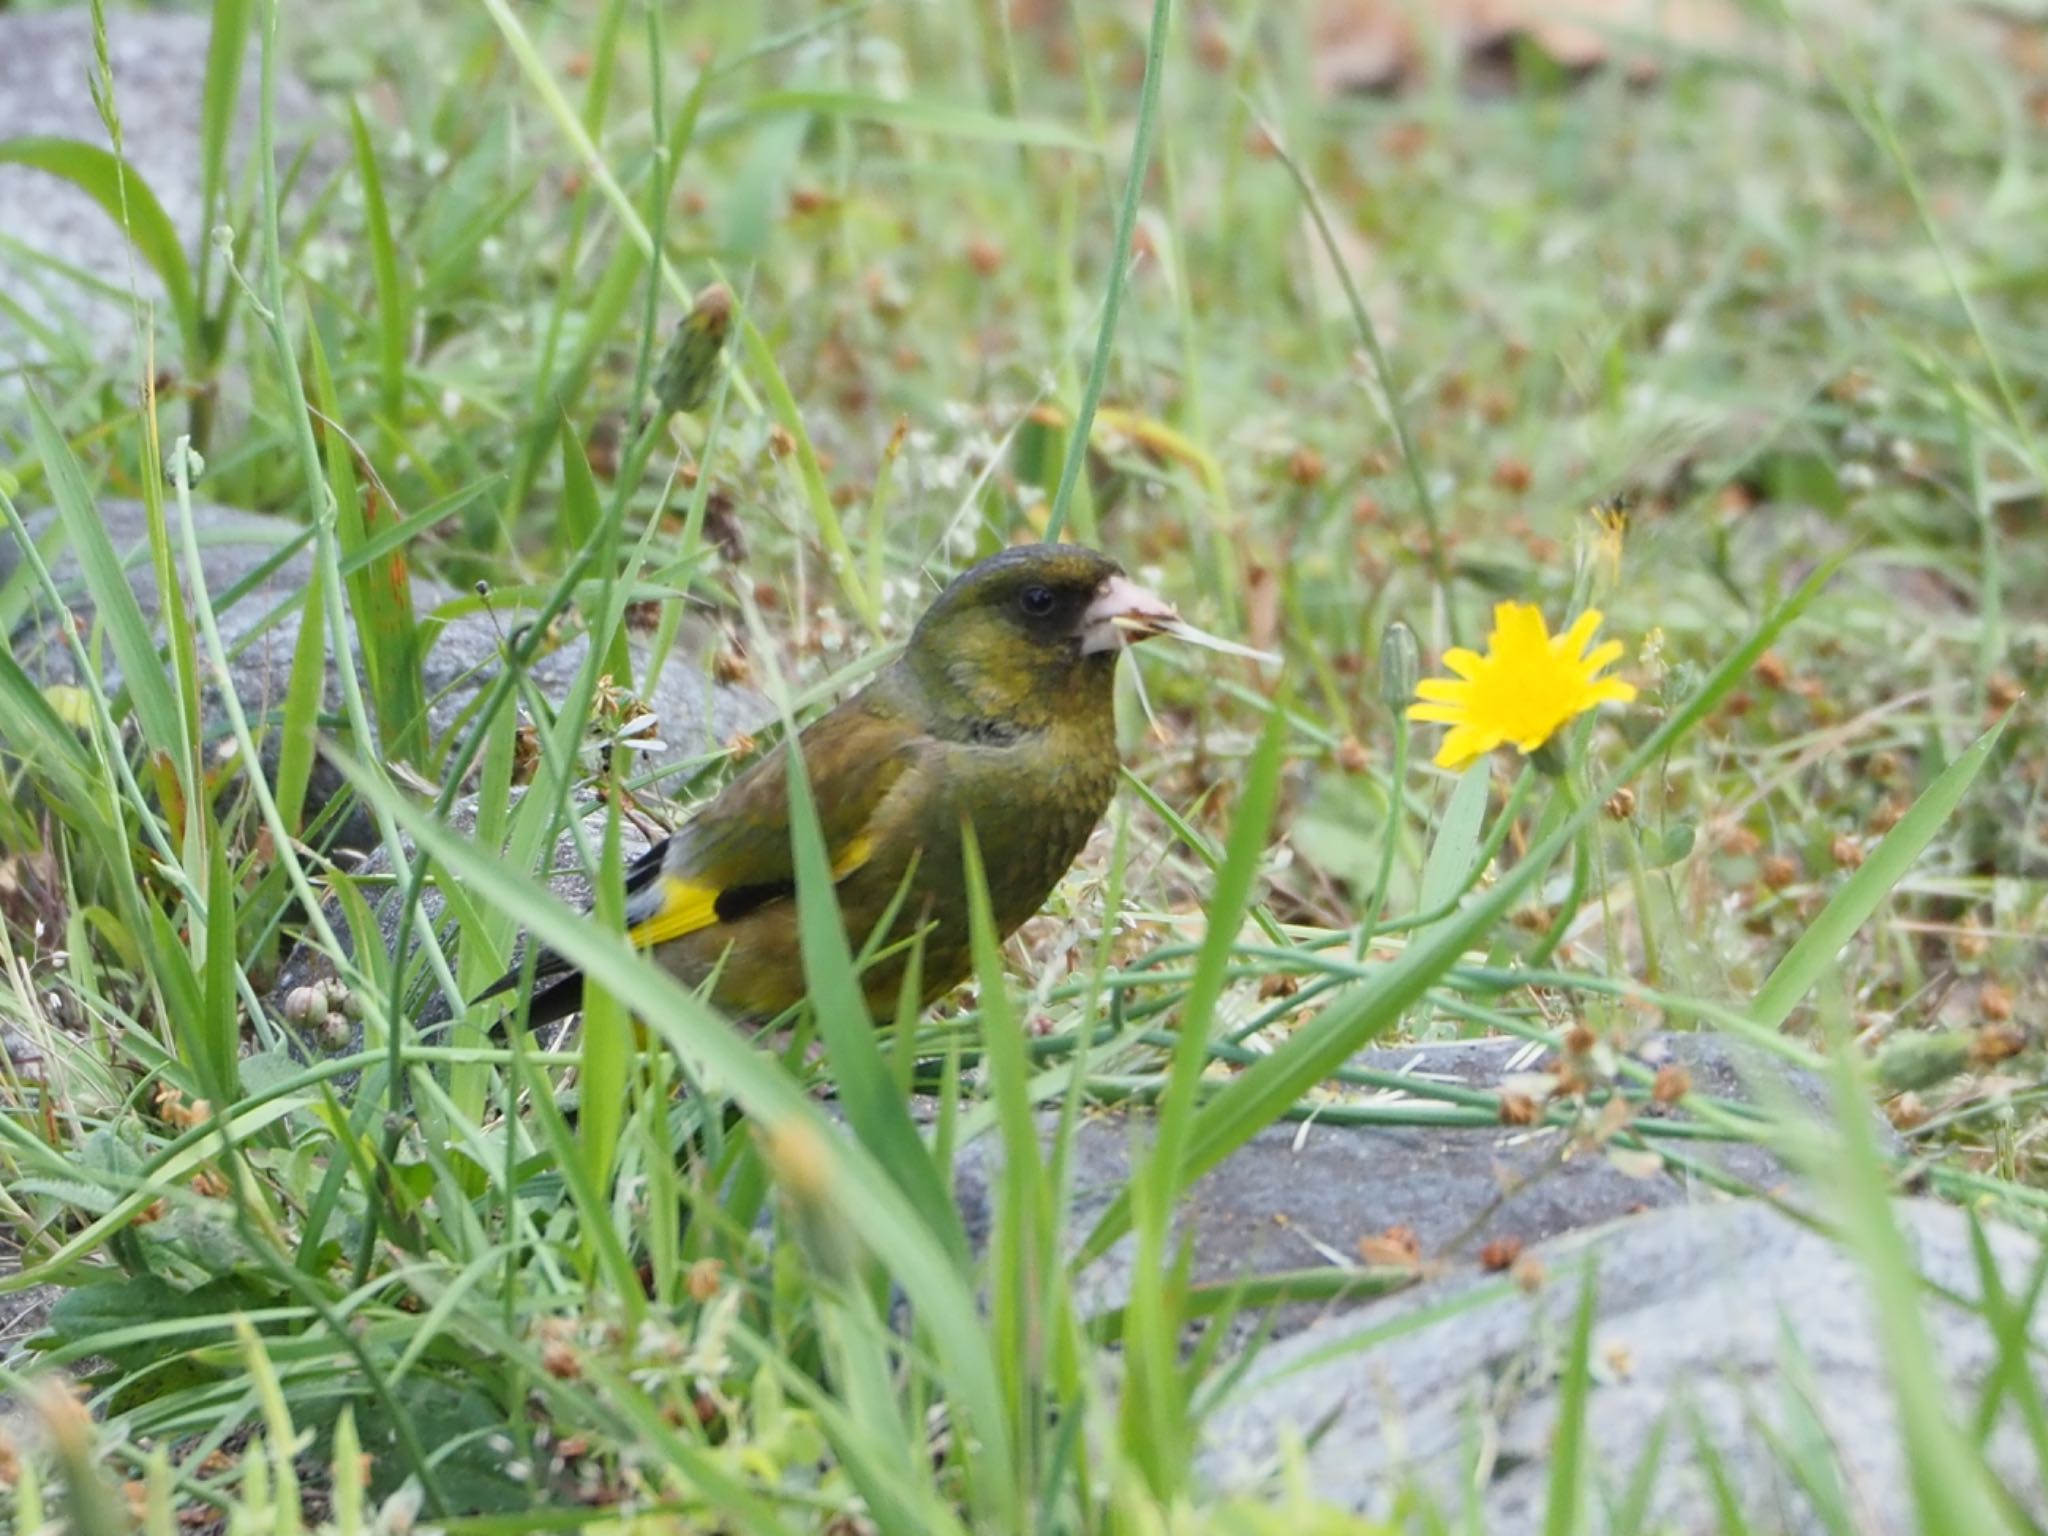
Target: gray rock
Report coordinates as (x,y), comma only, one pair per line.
(73,272)
(306,965)
(1297,1196)
(691,713)
(21,1317)
(1736,1318)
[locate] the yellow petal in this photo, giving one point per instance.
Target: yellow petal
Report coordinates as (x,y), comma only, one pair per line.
(1461,661)
(1437,714)
(1612,690)
(1463,745)
(1574,641)
(1603,656)
(1442,688)
(1518,627)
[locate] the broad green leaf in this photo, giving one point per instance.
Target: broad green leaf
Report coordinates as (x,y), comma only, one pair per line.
(106,179)
(1448,870)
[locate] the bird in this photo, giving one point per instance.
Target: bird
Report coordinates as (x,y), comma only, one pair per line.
(998,715)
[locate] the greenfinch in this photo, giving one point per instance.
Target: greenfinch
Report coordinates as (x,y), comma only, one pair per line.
(997,716)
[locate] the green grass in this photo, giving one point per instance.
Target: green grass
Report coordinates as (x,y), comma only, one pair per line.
(1318,366)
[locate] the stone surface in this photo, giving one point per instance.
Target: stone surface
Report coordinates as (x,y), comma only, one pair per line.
(75,274)
(1735,1317)
(1297,1196)
(691,712)
(306,965)
(21,1317)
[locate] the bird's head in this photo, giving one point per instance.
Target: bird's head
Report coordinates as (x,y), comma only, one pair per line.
(1029,633)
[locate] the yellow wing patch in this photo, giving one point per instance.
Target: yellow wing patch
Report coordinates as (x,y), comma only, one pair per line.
(856,853)
(686,906)
(684,909)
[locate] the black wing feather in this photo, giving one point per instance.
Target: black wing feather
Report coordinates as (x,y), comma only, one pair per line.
(557,983)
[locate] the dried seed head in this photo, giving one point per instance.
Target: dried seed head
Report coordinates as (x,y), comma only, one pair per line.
(1395,1248)
(1672,1084)
(1305,467)
(1512,475)
(985,256)
(1528,1273)
(705,1277)
(1621,805)
(1969,942)
(1993,1043)
(729,666)
(1500,1254)
(1907,1112)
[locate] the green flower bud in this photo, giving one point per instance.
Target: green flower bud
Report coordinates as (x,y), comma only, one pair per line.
(1921,1061)
(183,464)
(691,362)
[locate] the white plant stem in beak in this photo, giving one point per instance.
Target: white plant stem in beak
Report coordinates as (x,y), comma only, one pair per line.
(1123,612)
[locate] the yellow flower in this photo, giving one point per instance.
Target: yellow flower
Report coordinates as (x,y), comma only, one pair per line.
(1527,685)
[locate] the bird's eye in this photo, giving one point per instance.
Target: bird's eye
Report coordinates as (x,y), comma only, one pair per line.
(1036,601)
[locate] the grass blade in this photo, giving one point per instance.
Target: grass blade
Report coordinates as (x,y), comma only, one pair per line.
(1566,1495)
(155,702)
(227,46)
(607,1033)
(1850,907)
(923,1263)
(391,294)
(1952,1486)
(866,1087)
(1119,272)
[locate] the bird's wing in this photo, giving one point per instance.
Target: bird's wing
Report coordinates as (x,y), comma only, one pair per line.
(735,855)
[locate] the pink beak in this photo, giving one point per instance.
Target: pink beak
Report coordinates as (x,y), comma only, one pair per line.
(1122,614)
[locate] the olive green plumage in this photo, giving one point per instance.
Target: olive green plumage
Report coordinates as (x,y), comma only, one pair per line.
(998,715)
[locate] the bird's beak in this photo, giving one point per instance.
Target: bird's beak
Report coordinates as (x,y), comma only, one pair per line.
(1121,614)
